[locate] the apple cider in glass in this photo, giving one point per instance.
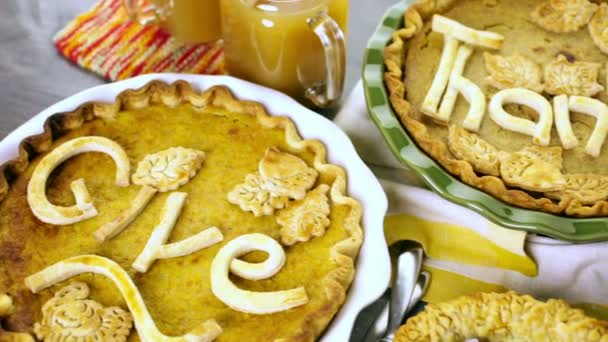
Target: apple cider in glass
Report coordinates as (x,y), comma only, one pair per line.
(295,46)
(189,21)
(194,21)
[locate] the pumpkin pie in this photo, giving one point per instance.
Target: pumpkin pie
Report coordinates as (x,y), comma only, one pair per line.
(173,214)
(480,84)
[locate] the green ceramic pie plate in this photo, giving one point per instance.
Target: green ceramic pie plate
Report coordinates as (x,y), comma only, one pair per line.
(404,148)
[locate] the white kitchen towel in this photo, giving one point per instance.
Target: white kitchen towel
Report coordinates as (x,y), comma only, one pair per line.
(577,273)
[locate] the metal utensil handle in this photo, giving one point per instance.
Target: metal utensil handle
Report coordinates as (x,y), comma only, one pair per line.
(147,12)
(422,285)
(329,91)
(408,264)
(378,327)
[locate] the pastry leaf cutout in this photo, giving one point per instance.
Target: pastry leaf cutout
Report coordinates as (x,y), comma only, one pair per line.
(473,149)
(563,15)
(530,172)
(251,196)
(280,176)
(513,72)
(576,78)
(549,154)
(306,218)
(598,28)
(168,169)
(284,174)
(586,188)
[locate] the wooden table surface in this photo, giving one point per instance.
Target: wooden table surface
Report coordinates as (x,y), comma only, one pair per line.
(33,75)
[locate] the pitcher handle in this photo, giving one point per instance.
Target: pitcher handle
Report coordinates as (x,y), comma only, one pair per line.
(328,92)
(147,12)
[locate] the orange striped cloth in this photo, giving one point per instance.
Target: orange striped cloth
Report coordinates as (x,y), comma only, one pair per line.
(105,41)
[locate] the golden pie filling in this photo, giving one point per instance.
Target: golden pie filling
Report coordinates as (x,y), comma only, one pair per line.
(506,63)
(177,289)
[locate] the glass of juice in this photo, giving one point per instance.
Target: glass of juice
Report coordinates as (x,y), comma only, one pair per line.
(295,46)
(189,21)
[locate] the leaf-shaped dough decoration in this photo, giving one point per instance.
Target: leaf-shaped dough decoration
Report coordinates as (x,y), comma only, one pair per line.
(529,173)
(168,169)
(306,218)
(284,174)
(576,78)
(549,154)
(473,149)
(513,72)
(598,28)
(250,196)
(71,316)
(563,15)
(586,188)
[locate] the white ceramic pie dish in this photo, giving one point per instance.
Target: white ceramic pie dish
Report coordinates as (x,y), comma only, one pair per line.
(373,264)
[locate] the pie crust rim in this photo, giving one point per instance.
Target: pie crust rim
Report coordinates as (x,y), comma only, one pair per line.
(158,92)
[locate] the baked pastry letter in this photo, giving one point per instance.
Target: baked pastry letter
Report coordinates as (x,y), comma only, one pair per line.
(248,301)
(540,131)
(156,247)
(473,94)
(561,111)
(84,207)
(599,110)
(451,67)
